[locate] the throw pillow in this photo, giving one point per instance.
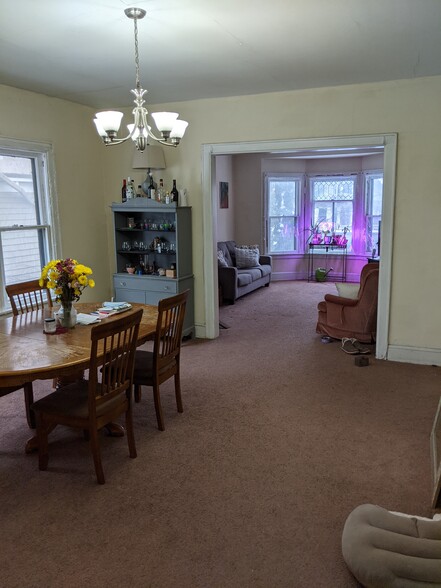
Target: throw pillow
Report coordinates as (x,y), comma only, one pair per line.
(247,256)
(348,290)
(221,261)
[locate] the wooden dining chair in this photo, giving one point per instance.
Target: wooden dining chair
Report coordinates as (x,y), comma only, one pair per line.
(24,297)
(91,404)
(152,368)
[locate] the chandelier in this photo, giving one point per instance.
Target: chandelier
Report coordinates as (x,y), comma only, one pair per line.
(108,122)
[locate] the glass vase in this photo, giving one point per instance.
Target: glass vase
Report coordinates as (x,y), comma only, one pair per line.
(67,315)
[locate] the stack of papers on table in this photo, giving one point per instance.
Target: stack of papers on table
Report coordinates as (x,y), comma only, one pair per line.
(87,319)
(109,308)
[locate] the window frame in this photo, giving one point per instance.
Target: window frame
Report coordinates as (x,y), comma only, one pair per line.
(343,177)
(368,177)
(298,179)
(42,158)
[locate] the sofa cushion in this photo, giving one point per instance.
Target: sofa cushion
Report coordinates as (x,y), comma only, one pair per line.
(222,246)
(231,246)
(265,270)
(254,272)
(243,279)
(221,261)
(247,256)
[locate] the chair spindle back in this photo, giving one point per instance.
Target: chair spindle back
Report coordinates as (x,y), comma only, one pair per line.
(27,296)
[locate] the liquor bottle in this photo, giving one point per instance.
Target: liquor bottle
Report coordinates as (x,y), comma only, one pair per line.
(160,195)
(139,191)
(174,193)
(151,189)
(167,197)
(130,189)
(124,191)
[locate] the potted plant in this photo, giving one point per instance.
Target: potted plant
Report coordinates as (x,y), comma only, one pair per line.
(314,237)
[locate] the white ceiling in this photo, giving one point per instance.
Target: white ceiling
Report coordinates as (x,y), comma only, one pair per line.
(83,50)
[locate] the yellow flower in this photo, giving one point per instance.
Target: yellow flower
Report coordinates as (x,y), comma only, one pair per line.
(66,277)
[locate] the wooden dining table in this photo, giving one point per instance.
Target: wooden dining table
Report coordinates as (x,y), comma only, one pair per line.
(27,353)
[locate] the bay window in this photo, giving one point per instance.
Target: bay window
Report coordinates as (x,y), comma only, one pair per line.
(334,204)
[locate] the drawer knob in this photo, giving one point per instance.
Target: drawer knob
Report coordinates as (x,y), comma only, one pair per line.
(122,284)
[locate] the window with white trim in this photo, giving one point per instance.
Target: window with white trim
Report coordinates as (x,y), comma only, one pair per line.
(282,199)
(337,204)
(373,207)
(27,235)
(333,204)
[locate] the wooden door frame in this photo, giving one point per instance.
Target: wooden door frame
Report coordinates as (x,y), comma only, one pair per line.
(209,205)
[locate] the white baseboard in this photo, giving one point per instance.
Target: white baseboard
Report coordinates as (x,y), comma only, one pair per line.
(419,355)
(282,276)
(286,276)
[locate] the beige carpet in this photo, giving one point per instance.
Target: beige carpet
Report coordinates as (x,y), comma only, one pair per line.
(282,436)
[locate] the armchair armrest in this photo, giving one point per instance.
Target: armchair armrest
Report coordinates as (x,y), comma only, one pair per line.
(340,300)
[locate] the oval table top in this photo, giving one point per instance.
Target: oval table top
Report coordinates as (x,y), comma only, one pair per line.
(27,353)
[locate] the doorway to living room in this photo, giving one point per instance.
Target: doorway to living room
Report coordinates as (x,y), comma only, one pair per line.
(386,143)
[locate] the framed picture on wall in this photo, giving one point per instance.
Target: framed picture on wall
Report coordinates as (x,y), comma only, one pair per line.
(223,194)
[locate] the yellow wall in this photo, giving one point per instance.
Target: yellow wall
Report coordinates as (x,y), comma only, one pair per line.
(89,175)
(79,168)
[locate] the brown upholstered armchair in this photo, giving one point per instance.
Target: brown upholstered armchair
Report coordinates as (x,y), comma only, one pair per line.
(354,318)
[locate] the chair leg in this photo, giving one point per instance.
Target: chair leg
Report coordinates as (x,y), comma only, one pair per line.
(42,440)
(129,433)
(96,453)
(178,393)
(29,399)
(137,394)
(158,407)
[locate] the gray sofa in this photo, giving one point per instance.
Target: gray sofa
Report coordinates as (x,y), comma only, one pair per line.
(235,282)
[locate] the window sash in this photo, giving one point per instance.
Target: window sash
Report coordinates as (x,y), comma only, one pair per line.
(335,212)
(372,213)
(282,222)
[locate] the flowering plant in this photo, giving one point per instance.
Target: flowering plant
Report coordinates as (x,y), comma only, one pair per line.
(67,278)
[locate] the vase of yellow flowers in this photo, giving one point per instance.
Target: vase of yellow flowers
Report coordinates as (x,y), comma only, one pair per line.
(67,278)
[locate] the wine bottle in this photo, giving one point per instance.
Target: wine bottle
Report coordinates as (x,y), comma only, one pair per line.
(174,192)
(151,189)
(124,191)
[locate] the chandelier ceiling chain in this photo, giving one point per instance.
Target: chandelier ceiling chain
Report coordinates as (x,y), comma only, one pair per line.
(108,122)
(135,26)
